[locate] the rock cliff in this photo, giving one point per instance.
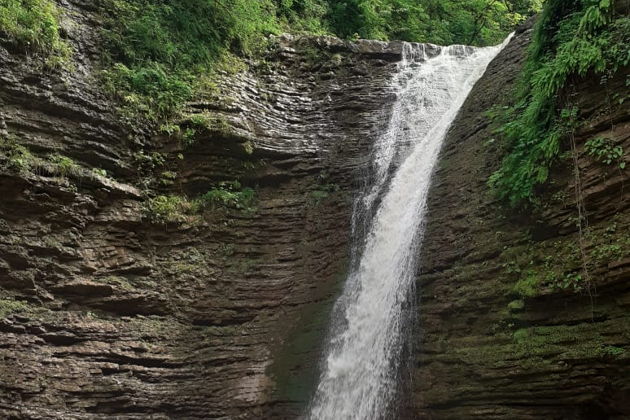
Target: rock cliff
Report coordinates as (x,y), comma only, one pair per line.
(510,323)
(106,313)
(103,312)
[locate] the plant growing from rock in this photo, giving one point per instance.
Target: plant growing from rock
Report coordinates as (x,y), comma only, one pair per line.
(605,151)
(33,25)
(228,194)
(63,165)
(570,40)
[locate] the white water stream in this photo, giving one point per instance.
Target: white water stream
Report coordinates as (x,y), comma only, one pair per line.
(360,373)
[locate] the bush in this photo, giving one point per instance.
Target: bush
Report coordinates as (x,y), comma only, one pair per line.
(65,166)
(165,209)
(604,151)
(571,39)
(18,158)
(229,194)
(158,51)
(34,26)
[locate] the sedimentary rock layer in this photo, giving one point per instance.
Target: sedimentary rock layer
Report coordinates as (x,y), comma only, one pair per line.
(487,347)
(104,313)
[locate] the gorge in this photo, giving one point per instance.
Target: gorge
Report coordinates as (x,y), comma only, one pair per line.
(119,301)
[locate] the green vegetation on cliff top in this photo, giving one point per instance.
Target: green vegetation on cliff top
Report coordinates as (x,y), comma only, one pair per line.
(159,54)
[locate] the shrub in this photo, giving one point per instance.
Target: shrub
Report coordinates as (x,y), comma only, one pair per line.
(159,51)
(165,209)
(65,166)
(34,26)
(604,151)
(10,306)
(18,157)
(571,39)
(229,194)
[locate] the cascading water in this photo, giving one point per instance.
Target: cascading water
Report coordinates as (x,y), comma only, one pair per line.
(359,378)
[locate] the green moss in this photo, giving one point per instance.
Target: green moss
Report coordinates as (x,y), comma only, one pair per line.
(322,192)
(516,305)
(527,286)
(64,165)
(520,335)
(228,194)
(16,157)
(34,26)
(148,162)
(208,124)
(165,209)
(9,306)
(116,281)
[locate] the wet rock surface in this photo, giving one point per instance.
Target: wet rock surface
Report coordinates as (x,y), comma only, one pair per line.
(561,351)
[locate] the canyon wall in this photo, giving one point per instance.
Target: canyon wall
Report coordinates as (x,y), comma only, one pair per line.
(105,312)
(510,324)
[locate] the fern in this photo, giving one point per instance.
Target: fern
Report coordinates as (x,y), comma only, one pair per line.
(571,39)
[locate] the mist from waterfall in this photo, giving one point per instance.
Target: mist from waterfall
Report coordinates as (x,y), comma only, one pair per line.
(359,377)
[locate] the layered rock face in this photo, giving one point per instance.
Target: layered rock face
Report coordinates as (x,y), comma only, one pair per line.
(511,324)
(105,314)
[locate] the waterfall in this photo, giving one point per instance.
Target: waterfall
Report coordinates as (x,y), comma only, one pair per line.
(359,373)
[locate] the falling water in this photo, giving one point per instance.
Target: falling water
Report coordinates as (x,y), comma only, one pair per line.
(359,378)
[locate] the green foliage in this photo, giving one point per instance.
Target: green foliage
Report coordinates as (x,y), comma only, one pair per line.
(571,39)
(304,15)
(474,22)
(34,26)
(100,172)
(115,281)
(159,53)
(9,306)
(613,351)
(516,305)
(158,50)
(64,165)
(17,157)
(165,209)
(147,162)
(322,192)
(151,89)
(228,194)
(168,178)
(558,267)
(205,122)
(604,151)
